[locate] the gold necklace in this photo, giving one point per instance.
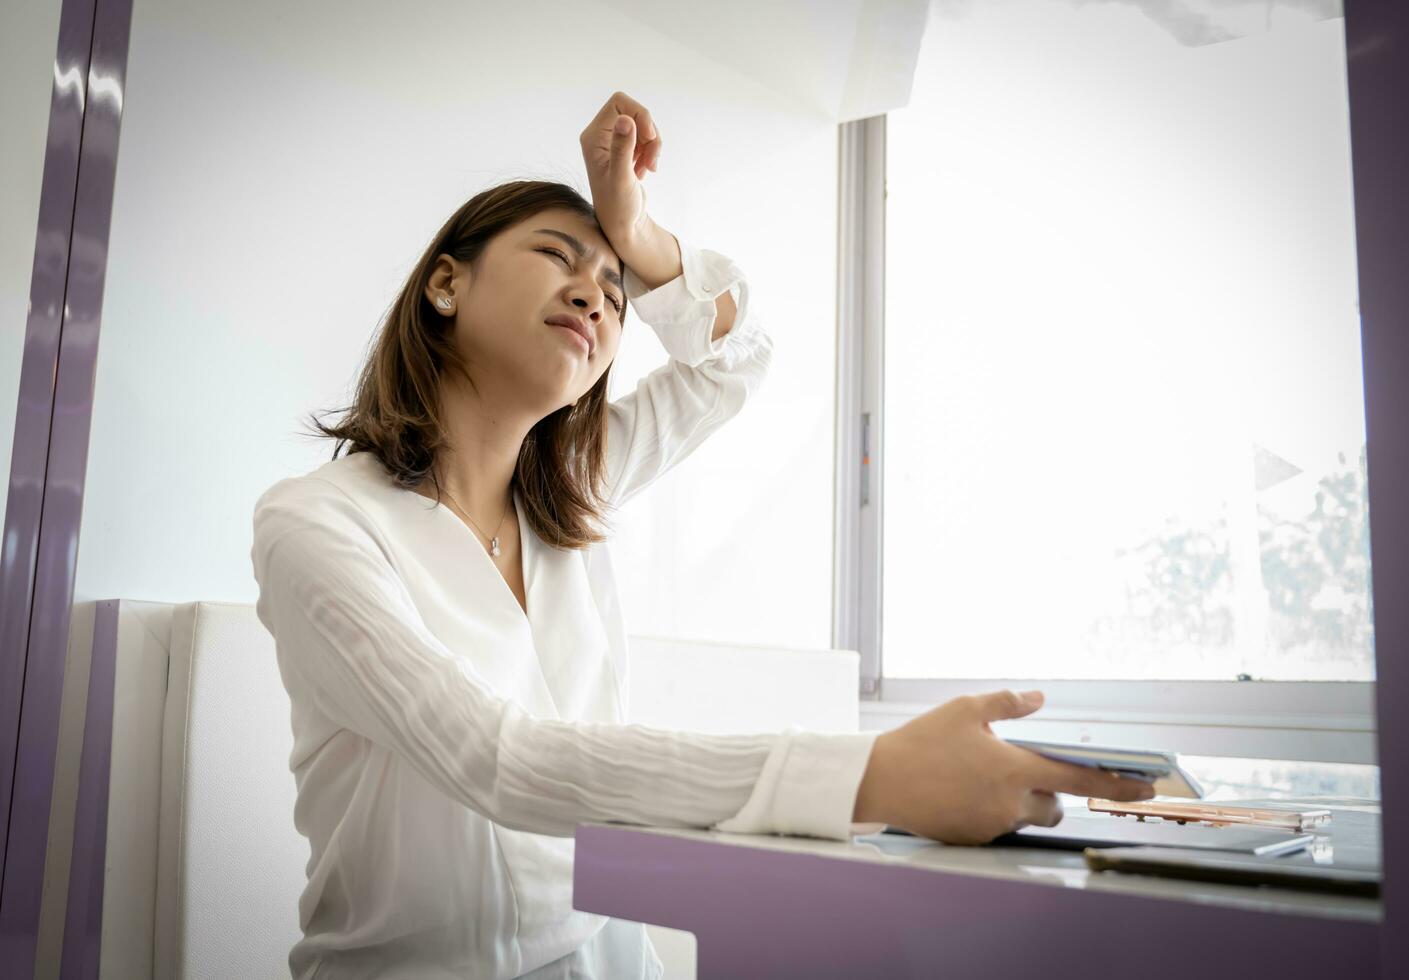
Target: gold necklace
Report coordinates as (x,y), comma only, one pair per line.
(493,540)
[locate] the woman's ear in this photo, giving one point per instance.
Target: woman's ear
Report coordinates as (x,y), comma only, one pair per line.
(440,285)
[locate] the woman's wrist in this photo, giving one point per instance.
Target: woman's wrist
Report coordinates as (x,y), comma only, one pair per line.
(870,806)
(652,253)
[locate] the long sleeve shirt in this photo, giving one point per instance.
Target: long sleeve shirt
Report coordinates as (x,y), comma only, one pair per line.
(446,742)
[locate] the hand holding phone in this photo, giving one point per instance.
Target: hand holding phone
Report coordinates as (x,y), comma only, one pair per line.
(945,775)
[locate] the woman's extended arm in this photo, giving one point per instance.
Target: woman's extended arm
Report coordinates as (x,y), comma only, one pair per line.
(352,645)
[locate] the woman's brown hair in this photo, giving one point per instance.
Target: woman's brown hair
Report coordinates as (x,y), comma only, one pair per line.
(396,413)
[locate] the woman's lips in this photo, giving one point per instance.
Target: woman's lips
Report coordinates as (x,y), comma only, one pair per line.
(576,326)
(576,337)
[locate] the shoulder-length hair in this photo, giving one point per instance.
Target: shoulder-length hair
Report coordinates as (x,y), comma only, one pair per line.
(396,413)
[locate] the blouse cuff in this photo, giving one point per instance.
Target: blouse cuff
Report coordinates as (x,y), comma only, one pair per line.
(682,312)
(810,784)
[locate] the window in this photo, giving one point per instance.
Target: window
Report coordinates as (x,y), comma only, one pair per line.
(1233,779)
(1120,396)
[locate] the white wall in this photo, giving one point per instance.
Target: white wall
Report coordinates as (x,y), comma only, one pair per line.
(282,166)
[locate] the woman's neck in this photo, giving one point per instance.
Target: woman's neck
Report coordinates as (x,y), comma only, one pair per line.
(482,450)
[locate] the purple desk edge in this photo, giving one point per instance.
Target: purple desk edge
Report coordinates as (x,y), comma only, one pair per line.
(757,912)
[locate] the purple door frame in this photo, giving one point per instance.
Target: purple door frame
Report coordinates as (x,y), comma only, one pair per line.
(44,506)
(1377,56)
(36,395)
(50,459)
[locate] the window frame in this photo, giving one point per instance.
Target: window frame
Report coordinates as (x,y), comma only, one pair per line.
(1310,721)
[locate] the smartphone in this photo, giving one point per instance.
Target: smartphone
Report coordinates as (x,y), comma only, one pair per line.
(1160,768)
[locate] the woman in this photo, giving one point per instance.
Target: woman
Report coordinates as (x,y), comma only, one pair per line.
(446,619)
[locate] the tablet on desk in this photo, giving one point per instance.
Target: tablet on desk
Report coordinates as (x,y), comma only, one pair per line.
(1077,833)
(1160,768)
(1240,869)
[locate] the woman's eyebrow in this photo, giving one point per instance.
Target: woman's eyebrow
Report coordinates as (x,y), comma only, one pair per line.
(583,252)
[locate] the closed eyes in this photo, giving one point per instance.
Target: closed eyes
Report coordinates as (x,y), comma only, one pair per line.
(616,303)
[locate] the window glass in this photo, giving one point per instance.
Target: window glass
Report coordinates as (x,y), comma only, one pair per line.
(1246,779)
(1124,424)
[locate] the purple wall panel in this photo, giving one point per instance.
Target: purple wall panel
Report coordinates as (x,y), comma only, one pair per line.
(19,547)
(1377,55)
(62,503)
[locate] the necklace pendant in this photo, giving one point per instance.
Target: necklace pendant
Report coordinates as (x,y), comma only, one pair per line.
(494,547)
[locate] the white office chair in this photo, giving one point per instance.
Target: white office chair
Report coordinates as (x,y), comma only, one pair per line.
(204,867)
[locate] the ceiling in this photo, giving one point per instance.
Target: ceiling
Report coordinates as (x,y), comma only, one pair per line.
(846,59)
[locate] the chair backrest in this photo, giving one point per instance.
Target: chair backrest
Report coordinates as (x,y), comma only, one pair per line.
(204,867)
(230,865)
(141,659)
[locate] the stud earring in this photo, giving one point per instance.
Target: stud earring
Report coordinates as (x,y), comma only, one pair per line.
(443,303)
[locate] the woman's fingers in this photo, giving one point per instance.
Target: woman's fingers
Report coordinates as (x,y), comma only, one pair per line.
(1003,705)
(1061,777)
(622,153)
(623,104)
(1041,809)
(646,154)
(648,140)
(617,161)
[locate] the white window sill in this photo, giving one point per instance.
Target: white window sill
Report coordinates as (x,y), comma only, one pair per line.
(1309,721)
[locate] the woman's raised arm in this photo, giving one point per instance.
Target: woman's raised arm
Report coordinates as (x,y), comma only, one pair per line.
(695,300)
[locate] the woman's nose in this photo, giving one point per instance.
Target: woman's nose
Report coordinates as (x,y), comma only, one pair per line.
(594,311)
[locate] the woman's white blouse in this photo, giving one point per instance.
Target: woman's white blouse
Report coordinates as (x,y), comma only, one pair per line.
(446,744)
